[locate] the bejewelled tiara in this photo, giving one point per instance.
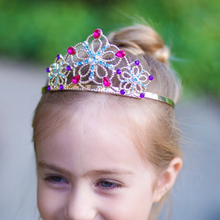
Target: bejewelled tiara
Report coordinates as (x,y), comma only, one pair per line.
(98,66)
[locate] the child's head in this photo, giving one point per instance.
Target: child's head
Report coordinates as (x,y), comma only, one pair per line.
(104,156)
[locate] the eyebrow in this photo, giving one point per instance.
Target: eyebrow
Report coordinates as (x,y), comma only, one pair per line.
(118,171)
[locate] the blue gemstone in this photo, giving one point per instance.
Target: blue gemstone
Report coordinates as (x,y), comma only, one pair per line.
(100,62)
(87,47)
(86,61)
(106,64)
(91,74)
(92,67)
(80,63)
(104,48)
(90,52)
(99,53)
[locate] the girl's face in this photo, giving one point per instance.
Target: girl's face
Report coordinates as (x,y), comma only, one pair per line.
(92,172)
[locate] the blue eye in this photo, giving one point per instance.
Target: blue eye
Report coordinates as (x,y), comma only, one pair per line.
(56,179)
(108,185)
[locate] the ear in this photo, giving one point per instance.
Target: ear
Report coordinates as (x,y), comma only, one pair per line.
(167,179)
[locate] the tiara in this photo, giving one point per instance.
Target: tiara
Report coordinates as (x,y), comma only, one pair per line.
(98,66)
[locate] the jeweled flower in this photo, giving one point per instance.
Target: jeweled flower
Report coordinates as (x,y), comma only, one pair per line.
(134,79)
(95,59)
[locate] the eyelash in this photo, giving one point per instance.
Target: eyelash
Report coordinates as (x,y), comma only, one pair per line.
(112,185)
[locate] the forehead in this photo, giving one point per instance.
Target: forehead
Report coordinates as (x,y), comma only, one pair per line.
(91,143)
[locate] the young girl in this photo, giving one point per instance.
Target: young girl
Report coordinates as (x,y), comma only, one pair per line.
(105,134)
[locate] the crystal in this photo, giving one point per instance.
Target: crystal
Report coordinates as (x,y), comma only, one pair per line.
(118,71)
(58,56)
(122,91)
(76,79)
(71,50)
(150,77)
(134,79)
(120,53)
(48,69)
(97,33)
(111,67)
(142,95)
(91,78)
(48,88)
(106,81)
(137,62)
(61,87)
(68,68)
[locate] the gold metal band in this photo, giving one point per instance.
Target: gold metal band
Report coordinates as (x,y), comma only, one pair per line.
(148,95)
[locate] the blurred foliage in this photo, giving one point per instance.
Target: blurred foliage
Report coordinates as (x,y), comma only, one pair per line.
(38,30)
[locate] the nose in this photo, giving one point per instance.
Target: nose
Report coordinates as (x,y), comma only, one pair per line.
(80,204)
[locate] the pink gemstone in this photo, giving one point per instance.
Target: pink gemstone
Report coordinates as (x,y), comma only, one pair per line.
(97,33)
(71,50)
(76,79)
(120,53)
(106,81)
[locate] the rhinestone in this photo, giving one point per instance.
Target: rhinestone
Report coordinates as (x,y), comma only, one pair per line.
(68,68)
(142,95)
(97,33)
(122,91)
(106,81)
(71,50)
(76,79)
(118,71)
(150,77)
(137,62)
(120,54)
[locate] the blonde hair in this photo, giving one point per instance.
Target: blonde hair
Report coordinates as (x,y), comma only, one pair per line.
(145,118)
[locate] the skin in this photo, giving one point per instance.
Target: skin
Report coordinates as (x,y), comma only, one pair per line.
(95,172)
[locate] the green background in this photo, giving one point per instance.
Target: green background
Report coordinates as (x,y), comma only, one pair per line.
(38,30)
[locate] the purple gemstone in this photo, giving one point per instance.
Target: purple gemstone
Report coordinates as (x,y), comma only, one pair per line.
(58,56)
(68,68)
(48,88)
(142,95)
(48,69)
(137,62)
(118,71)
(122,91)
(150,77)
(61,87)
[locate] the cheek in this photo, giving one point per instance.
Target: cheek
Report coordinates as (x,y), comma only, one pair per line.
(133,203)
(50,202)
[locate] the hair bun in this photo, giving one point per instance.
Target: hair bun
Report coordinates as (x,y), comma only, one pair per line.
(141,39)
